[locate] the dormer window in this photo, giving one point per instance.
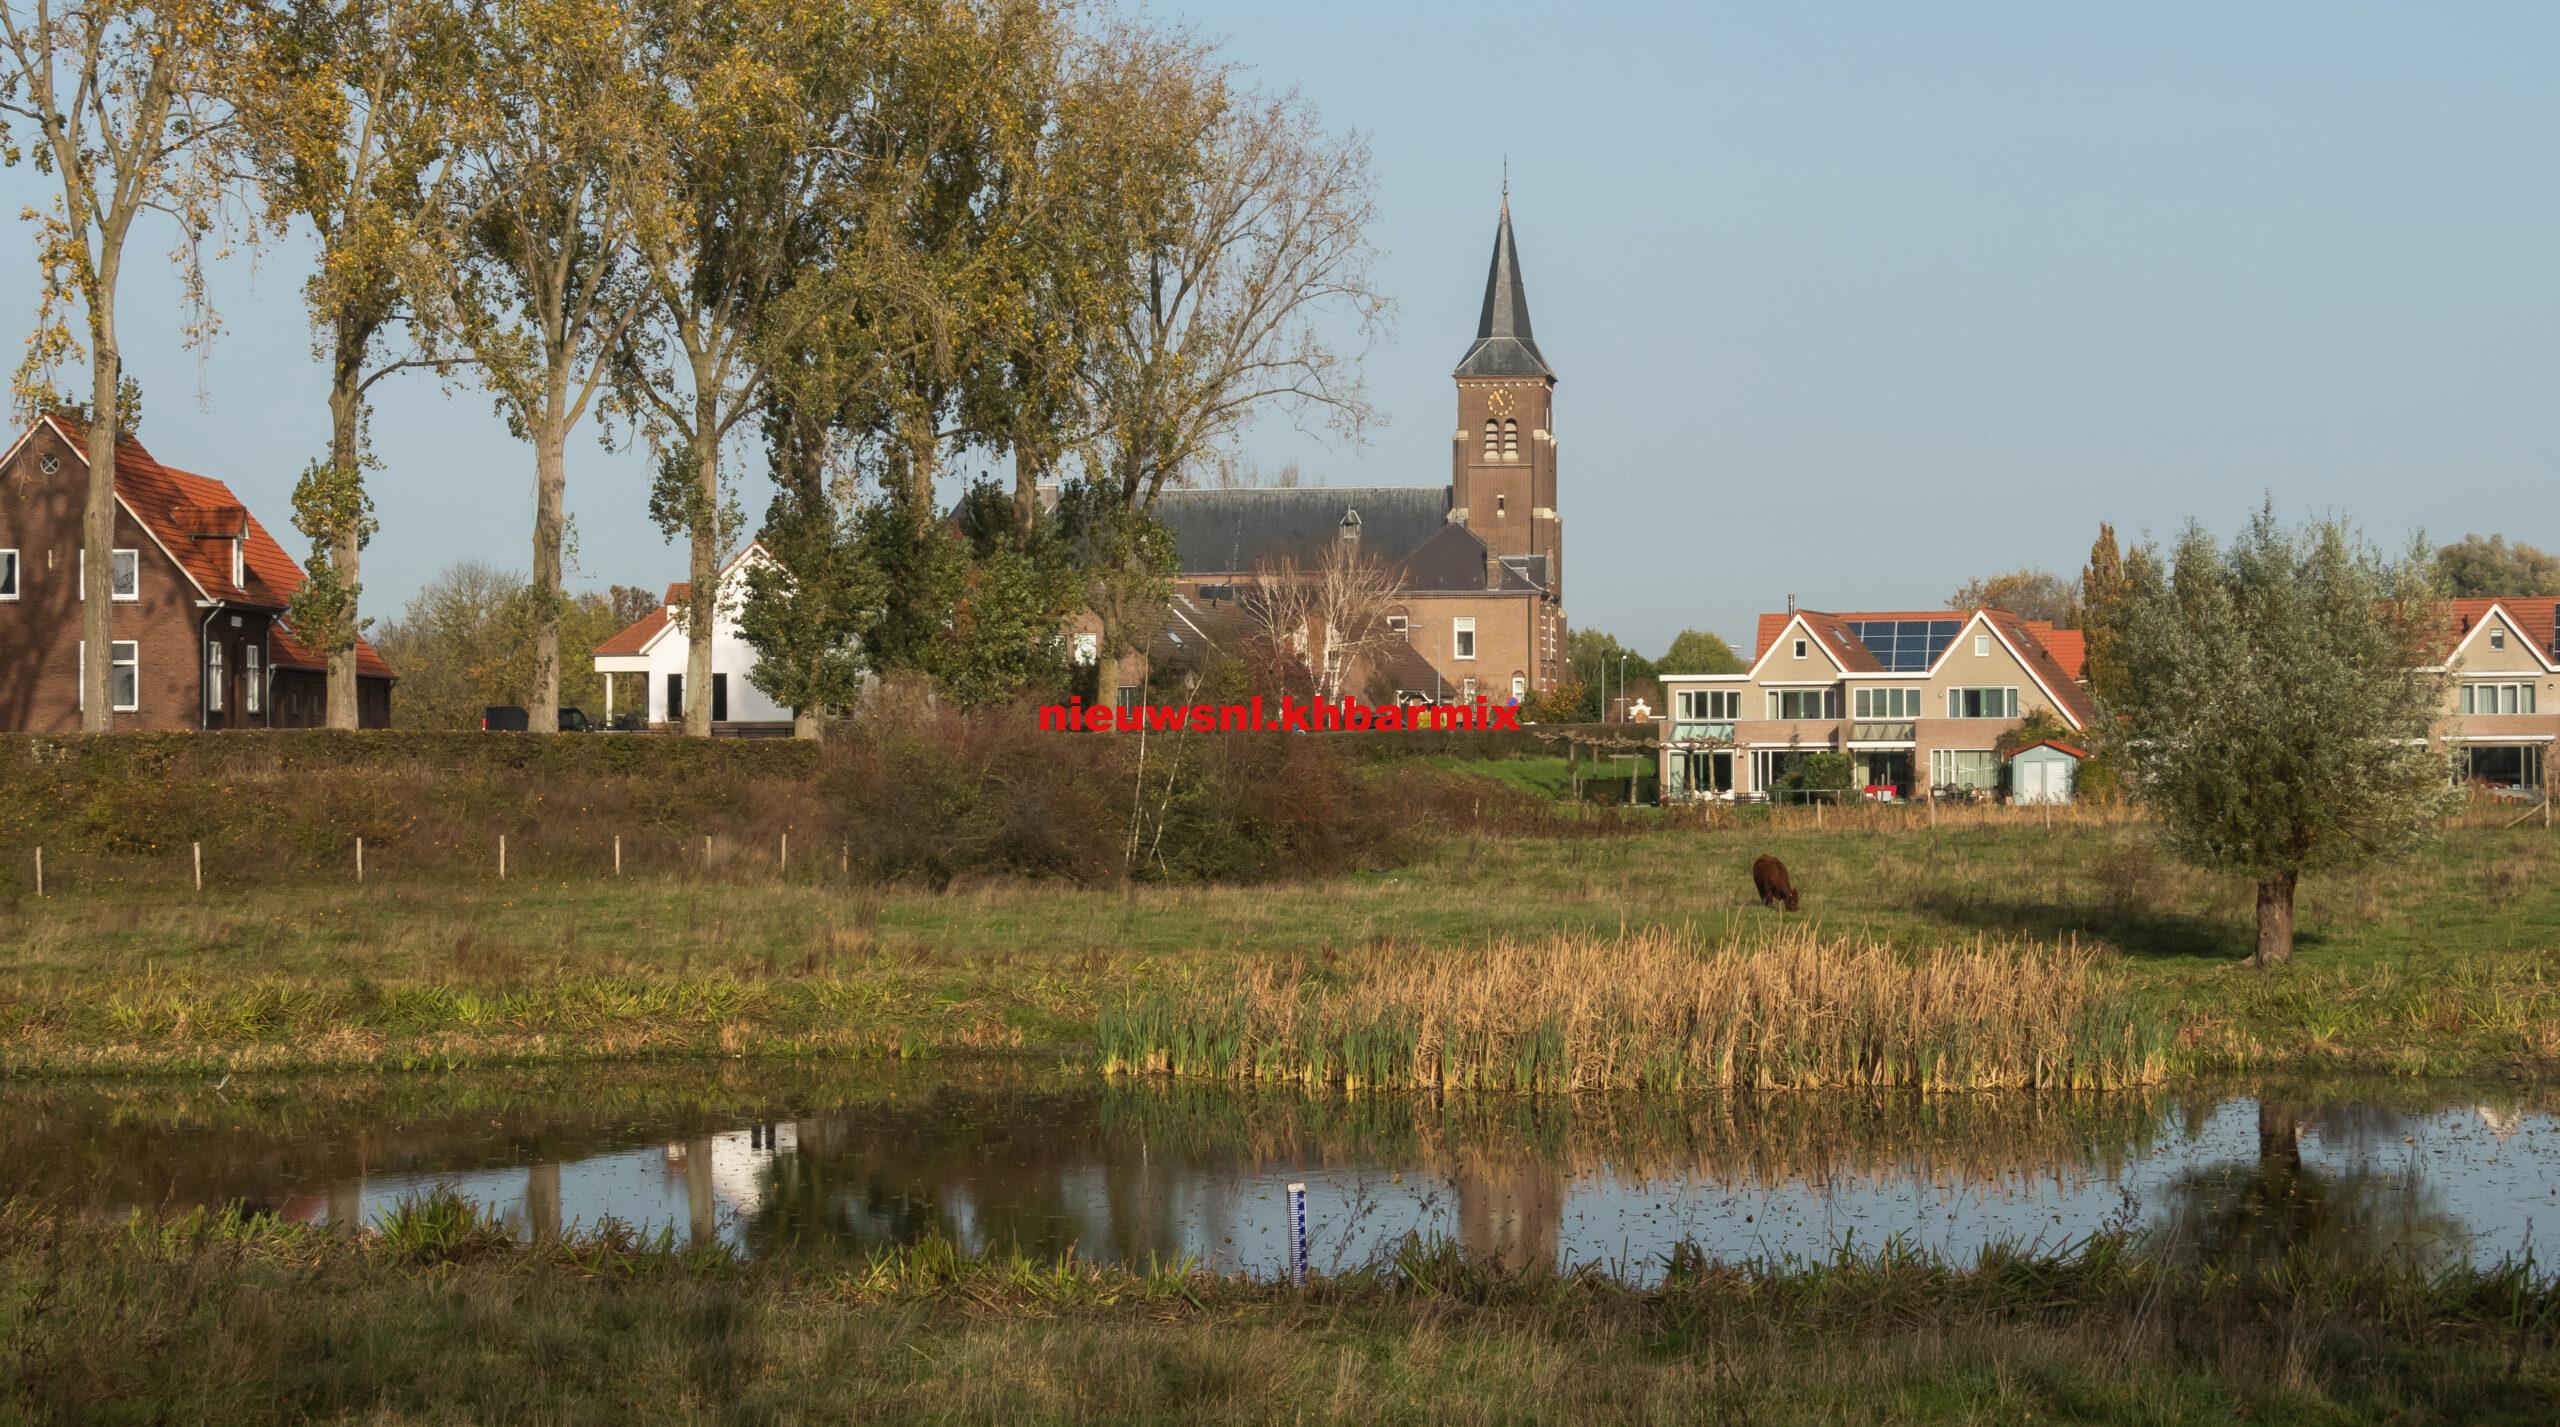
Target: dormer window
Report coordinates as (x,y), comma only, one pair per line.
(239,564)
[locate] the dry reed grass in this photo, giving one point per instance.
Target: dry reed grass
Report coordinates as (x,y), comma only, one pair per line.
(1654,1010)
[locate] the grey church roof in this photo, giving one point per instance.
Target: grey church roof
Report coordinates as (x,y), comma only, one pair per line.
(1503,346)
(1232,531)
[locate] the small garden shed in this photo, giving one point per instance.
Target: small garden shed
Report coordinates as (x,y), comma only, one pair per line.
(2044,772)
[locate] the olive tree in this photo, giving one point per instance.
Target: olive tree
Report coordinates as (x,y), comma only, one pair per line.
(2275,705)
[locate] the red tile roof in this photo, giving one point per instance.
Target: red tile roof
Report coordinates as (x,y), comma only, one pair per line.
(181,508)
(2531,614)
(2069,647)
(637,637)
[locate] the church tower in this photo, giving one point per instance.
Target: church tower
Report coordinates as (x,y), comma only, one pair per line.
(1503,474)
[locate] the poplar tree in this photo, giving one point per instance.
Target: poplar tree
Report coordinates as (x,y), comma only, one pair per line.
(124,99)
(557,159)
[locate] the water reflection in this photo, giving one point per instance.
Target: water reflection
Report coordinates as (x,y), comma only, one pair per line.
(777,1159)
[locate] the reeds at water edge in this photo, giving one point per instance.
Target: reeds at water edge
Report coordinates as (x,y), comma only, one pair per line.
(1655,1010)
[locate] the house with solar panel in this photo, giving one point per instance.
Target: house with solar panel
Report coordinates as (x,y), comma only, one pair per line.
(1919,700)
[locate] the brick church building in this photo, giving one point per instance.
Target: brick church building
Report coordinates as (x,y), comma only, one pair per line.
(1479,562)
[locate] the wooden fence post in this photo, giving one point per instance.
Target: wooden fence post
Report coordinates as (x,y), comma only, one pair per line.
(195,851)
(359,859)
(706,852)
(786,854)
(617,854)
(502,857)
(39,871)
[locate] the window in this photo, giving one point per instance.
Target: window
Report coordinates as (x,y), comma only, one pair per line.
(1396,625)
(126,581)
(1888,703)
(1709,705)
(719,698)
(1492,438)
(253,680)
(2497,698)
(1981,646)
(213,676)
(1501,503)
(239,564)
(1467,691)
(1510,439)
(1519,687)
(124,676)
(1088,649)
(1125,697)
(1982,703)
(1964,768)
(2497,639)
(675,697)
(1462,638)
(8,574)
(1804,703)
(1800,648)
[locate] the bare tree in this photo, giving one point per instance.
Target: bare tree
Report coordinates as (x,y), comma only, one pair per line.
(124,98)
(1326,615)
(1269,249)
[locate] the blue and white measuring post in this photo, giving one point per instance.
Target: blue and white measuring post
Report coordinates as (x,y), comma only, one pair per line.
(1298,1234)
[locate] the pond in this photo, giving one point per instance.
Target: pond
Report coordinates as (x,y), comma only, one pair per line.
(772,1158)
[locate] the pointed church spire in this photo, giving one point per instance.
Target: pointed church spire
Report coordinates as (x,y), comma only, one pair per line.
(1503,346)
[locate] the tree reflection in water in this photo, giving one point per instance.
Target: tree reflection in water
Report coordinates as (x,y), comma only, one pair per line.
(2251,1213)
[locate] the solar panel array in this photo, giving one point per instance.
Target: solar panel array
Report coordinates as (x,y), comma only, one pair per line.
(1906,646)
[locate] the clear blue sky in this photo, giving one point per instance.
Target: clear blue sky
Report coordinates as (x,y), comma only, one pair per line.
(1848,301)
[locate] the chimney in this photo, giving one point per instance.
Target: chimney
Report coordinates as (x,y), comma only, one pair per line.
(1791,602)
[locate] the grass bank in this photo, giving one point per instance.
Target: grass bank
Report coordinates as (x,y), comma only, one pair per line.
(2440,965)
(440,1317)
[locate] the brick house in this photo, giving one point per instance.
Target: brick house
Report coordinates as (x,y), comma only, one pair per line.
(201,638)
(1919,699)
(2503,711)
(1480,561)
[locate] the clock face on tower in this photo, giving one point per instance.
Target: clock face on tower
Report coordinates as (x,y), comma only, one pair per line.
(1499,403)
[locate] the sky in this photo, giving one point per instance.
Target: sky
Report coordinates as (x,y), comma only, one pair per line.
(1847,301)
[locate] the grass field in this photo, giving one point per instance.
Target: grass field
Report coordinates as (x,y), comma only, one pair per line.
(440,1318)
(2439,965)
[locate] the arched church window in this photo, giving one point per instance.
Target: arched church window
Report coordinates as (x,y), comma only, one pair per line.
(1492,437)
(1510,439)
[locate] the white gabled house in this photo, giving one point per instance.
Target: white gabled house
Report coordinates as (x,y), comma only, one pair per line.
(644,665)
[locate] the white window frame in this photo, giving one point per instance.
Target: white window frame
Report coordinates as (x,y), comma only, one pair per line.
(239,563)
(213,676)
(1982,646)
(1893,702)
(16,574)
(80,689)
(1826,701)
(2500,696)
(114,557)
(1462,638)
(1397,625)
(2009,701)
(1803,647)
(253,671)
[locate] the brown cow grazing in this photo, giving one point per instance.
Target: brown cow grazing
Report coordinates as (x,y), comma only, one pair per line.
(1769,875)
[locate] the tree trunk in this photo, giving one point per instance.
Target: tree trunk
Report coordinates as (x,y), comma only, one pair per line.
(703,609)
(98,526)
(550,498)
(346,410)
(2275,919)
(804,723)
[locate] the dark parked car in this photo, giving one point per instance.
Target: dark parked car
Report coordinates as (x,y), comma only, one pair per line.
(508,718)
